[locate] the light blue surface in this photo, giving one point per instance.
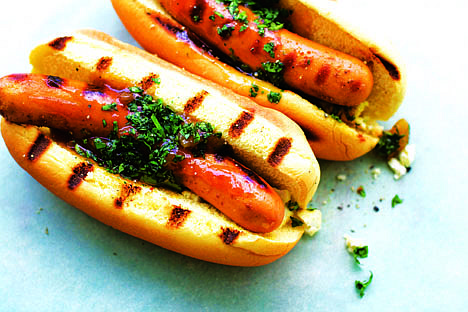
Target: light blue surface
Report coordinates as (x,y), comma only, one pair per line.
(417,250)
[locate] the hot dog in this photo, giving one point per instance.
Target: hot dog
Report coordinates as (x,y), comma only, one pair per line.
(101,66)
(335,132)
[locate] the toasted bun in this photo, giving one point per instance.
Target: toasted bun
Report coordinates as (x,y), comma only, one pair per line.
(178,222)
(159,33)
(264,139)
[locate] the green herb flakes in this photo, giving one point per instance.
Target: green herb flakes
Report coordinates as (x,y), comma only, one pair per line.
(388,143)
(270,49)
(151,138)
(253,90)
(295,221)
(274,97)
(396,200)
(361,286)
(108,107)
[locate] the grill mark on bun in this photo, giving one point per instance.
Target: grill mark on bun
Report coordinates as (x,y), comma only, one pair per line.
(178,217)
(104,63)
(59,43)
(148,81)
(54,82)
(228,236)
(126,192)
(281,150)
(38,148)
(390,67)
(240,124)
(80,172)
(194,103)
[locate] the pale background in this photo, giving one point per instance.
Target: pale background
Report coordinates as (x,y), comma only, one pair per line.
(418,250)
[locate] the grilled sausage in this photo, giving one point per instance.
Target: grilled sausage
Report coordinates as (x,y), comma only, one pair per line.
(310,67)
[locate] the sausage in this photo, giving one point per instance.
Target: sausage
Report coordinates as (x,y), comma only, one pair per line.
(237,191)
(78,107)
(303,64)
(59,103)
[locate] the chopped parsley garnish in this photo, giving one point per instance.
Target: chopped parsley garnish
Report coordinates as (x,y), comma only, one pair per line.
(219,14)
(156,80)
(225,31)
(108,107)
(311,208)
(388,143)
(272,71)
(152,138)
(268,17)
(212,17)
(270,49)
(396,200)
(196,18)
(104,123)
(360,252)
(274,97)
(361,286)
(253,90)
(295,221)
(360,190)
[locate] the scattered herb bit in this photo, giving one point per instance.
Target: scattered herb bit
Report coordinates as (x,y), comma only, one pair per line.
(270,49)
(39,210)
(196,18)
(396,200)
(360,190)
(274,97)
(104,123)
(360,252)
(311,208)
(272,72)
(388,143)
(108,107)
(361,286)
(212,17)
(243,27)
(46,231)
(292,205)
(253,90)
(156,80)
(295,221)
(219,14)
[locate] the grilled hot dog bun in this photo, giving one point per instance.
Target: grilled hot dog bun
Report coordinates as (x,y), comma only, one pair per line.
(158,32)
(266,141)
